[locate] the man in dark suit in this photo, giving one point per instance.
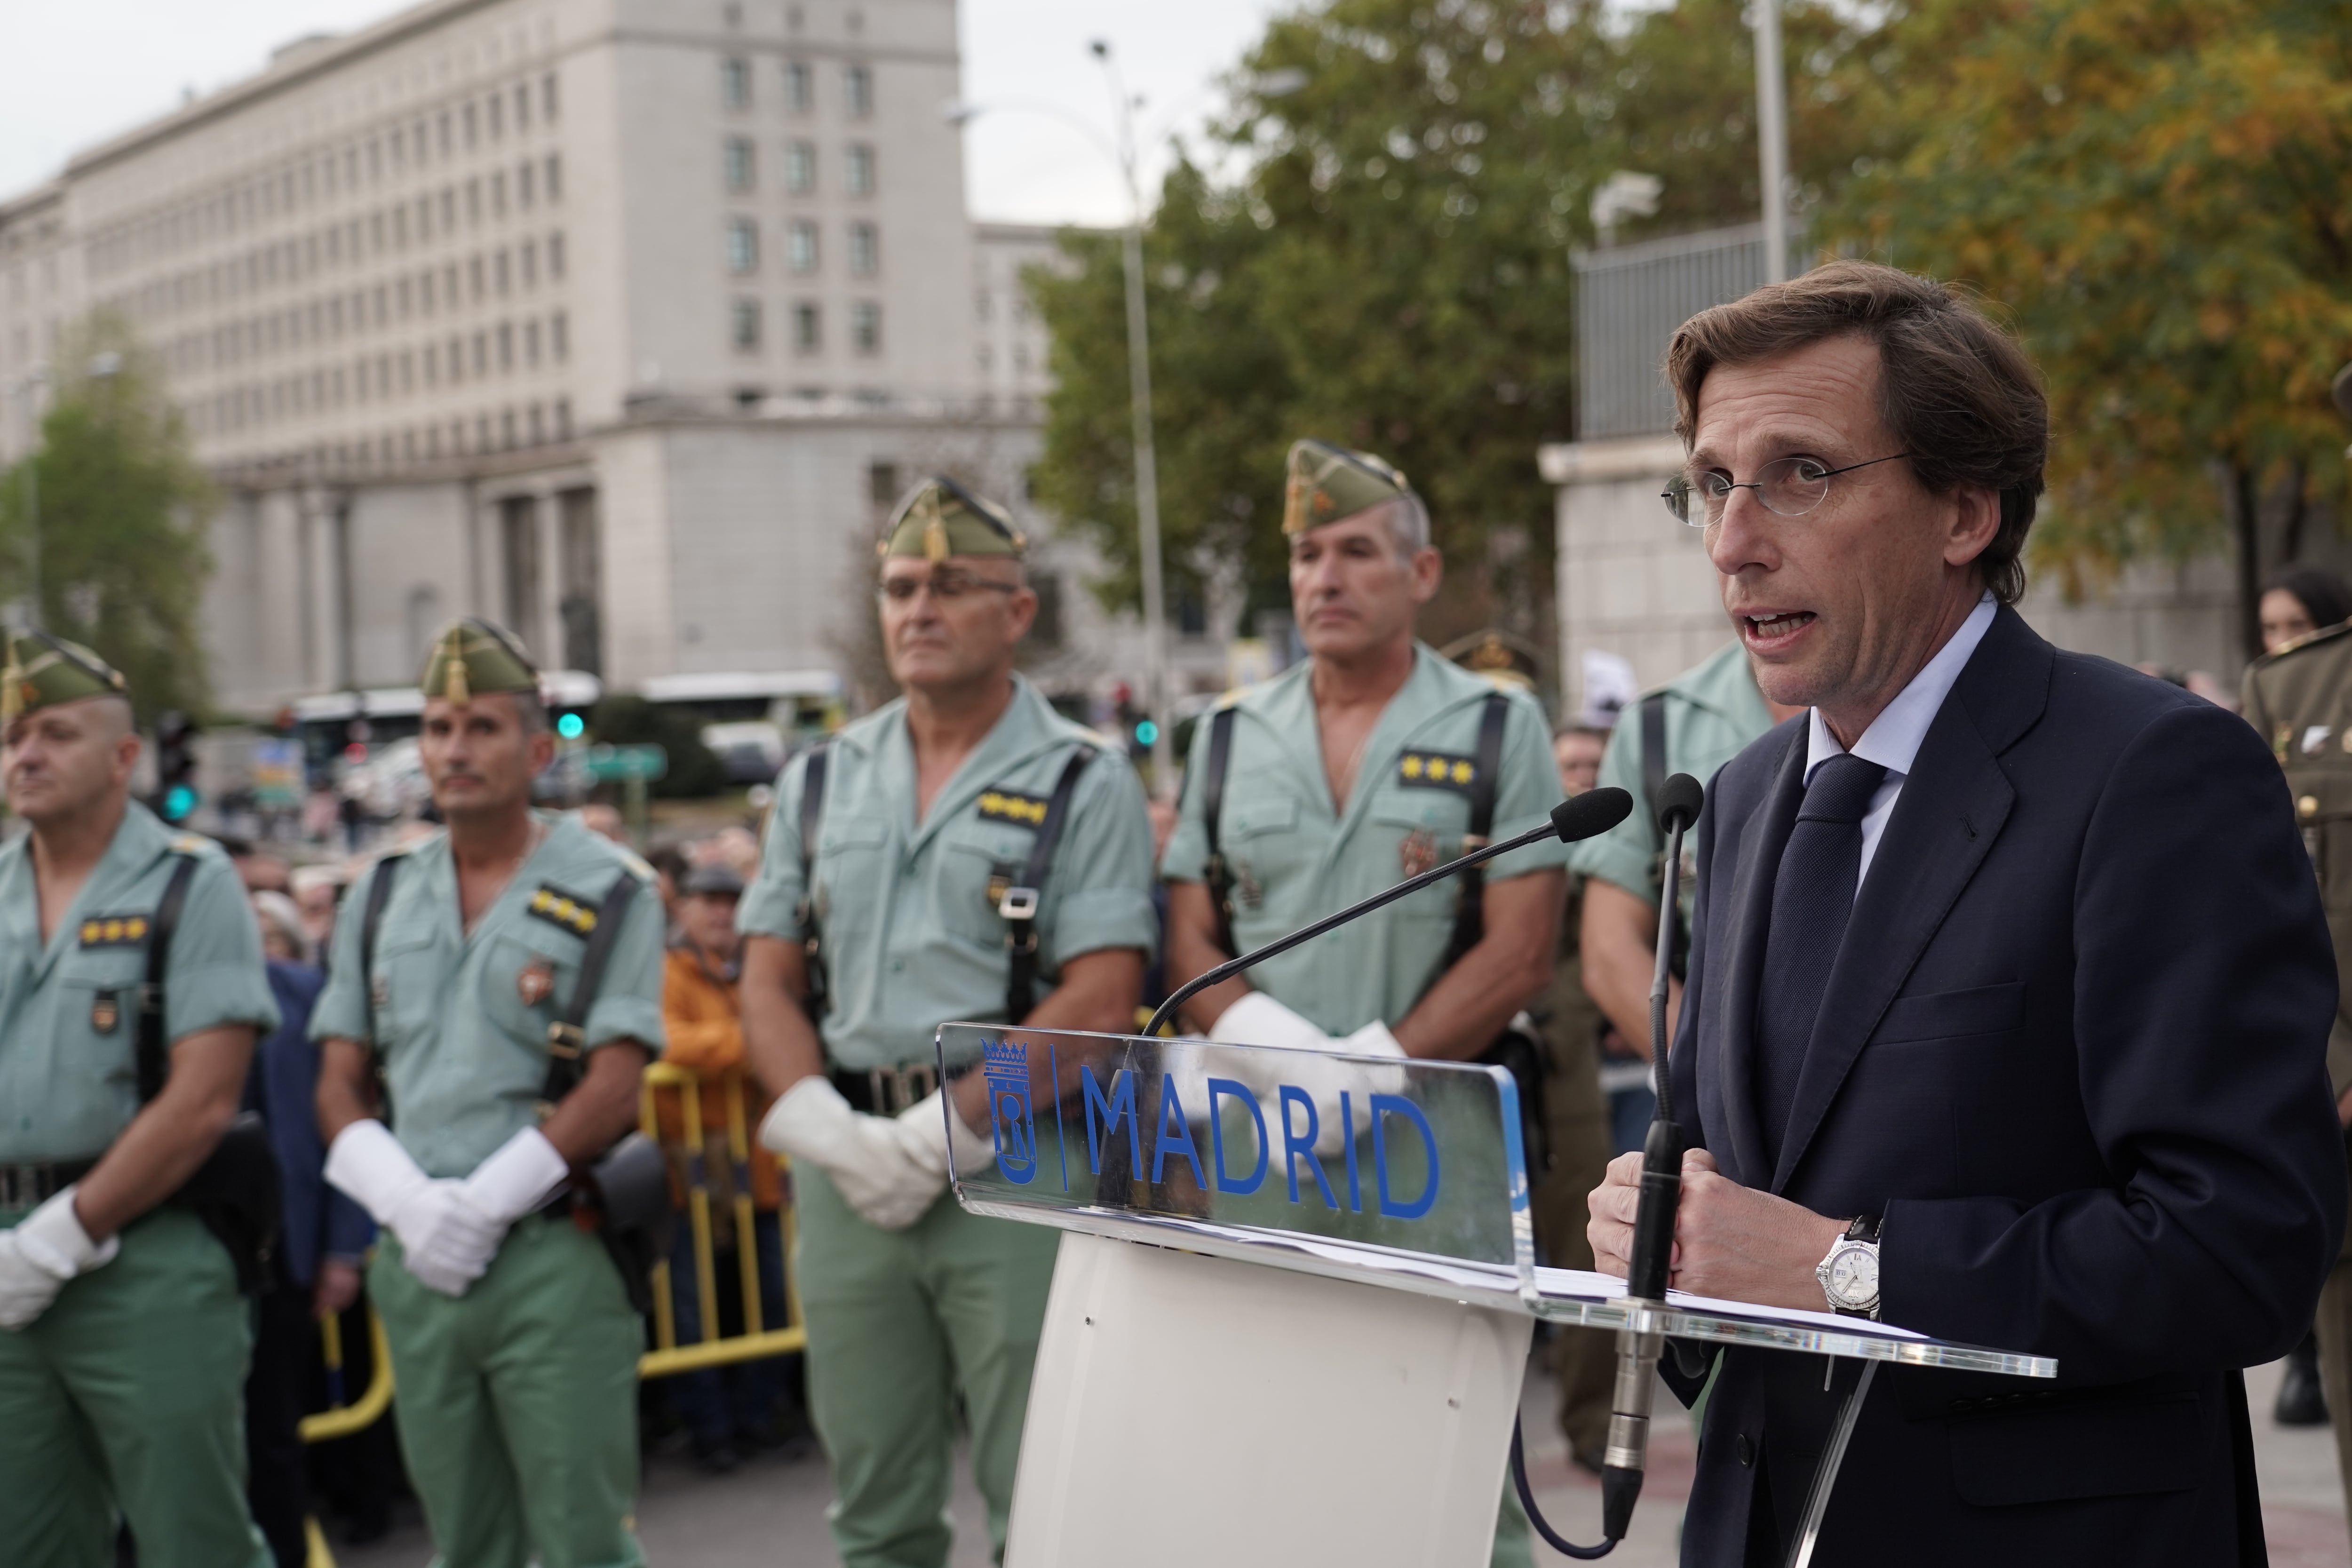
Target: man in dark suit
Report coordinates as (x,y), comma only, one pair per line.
(2008,990)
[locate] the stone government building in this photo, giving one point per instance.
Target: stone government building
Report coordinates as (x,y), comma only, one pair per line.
(621,320)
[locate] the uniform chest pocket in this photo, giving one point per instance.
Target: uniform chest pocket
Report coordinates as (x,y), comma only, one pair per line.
(1408,834)
(851,855)
(527,979)
(1264,844)
(98,995)
(975,869)
(409,975)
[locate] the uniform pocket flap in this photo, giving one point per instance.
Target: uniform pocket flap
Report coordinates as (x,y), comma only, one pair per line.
(2051,1452)
(851,833)
(1945,1015)
(1266,813)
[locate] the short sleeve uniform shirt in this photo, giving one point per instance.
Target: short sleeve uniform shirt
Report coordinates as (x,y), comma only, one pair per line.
(461,1020)
(911,935)
(1295,857)
(69,1006)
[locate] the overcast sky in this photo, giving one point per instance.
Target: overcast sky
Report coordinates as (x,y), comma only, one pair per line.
(71,75)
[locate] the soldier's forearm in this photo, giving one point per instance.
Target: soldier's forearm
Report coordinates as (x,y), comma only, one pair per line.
(1193,950)
(778,1038)
(601,1107)
(1618,941)
(175,1133)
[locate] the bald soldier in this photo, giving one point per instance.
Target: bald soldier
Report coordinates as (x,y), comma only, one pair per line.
(966,853)
(513,1341)
(123,1338)
(1371,760)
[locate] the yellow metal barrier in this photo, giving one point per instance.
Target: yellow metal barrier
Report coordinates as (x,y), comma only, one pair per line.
(668,1356)
(342,1420)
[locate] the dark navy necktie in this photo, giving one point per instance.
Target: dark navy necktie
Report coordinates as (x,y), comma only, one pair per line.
(1812,900)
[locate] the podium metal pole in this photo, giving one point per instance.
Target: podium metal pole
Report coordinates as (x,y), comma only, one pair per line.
(1817,1501)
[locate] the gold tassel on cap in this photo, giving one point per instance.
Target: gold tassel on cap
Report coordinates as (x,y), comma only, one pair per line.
(12,688)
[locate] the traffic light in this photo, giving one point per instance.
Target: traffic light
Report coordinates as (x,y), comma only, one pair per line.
(570,726)
(175,768)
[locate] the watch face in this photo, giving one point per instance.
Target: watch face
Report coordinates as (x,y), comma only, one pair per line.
(1853,1275)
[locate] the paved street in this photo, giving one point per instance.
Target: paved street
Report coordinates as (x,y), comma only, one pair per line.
(771,1512)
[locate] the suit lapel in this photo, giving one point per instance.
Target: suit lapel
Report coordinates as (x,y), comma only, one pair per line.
(1953,804)
(1766,834)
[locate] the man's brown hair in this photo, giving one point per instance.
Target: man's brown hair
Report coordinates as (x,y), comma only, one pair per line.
(1954,390)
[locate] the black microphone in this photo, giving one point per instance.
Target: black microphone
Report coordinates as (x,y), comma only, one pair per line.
(1626,1456)
(1594,811)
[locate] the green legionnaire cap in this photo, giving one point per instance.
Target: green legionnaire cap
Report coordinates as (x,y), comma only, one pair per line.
(1503,658)
(1329,483)
(473,655)
(940,517)
(43,671)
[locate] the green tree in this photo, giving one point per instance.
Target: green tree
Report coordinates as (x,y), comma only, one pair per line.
(123,508)
(1388,265)
(2159,193)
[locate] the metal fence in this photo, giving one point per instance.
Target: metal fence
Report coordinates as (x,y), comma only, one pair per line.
(1628,300)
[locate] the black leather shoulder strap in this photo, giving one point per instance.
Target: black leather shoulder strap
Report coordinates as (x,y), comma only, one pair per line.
(566,1037)
(1470,914)
(154,1063)
(1653,751)
(816,982)
(1219,873)
(387,871)
(1020,904)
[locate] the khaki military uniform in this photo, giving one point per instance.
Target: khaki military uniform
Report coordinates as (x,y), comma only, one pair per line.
(902,1322)
(518,1399)
(127,1394)
(2300,700)
(1576,1126)
(1296,856)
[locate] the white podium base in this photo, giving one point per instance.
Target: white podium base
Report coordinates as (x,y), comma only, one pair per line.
(1191,1410)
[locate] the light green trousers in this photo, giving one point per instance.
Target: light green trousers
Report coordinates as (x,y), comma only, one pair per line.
(128,1394)
(898,1324)
(518,1402)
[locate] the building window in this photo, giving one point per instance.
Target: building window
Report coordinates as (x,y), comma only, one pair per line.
(547,97)
(744,326)
(554,178)
(808,328)
(799,168)
(864,249)
(858,88)
(525,185)
(804,246)
(865,327)
(555,255)
(743,245)
(559,335)
(735,82)
(799,87)
(859,173)
(737,163)
(882,484)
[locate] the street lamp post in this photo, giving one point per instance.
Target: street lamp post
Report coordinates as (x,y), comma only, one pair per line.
(1773,139)
(1147,453)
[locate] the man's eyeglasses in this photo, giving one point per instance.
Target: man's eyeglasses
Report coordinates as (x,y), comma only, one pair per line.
(1789,487)
(946,585)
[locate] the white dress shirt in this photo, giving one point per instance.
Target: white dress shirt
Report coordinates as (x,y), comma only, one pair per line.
(1894,737)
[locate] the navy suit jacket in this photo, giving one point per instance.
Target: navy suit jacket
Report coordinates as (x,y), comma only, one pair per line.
(283,1085)
(2072,1052)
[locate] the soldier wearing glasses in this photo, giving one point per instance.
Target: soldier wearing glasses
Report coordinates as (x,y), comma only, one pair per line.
(891,899)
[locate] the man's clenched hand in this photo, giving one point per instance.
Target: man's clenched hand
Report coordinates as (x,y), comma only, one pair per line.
(1731,1242)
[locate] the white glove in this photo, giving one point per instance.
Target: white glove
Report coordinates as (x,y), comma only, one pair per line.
(1258,1019)
(445,1240)
(935,1135)
(521,1174)
(41,1254)
(867,1156)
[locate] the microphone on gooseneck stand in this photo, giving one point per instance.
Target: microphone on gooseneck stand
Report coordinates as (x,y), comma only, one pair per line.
(1626,1457)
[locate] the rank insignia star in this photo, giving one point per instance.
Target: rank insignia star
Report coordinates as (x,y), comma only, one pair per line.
(563,912)
(113,931)
(1437,769)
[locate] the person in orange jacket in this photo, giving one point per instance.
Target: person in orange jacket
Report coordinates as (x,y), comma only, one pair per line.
(747,1405)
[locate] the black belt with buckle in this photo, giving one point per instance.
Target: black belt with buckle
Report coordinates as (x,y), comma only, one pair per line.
(885,1091)
(29,1186)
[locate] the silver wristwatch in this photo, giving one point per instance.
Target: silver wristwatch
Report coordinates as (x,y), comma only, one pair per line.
(1849,1275)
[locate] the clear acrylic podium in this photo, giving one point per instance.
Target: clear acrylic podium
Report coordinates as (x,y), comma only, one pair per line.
(1291,1312)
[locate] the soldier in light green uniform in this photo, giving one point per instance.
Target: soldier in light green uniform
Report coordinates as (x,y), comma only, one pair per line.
(929,816)
(123,1340)
(1709,713)
(513,1343)
(1348,774)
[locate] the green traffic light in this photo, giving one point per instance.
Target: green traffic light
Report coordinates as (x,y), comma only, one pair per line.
(1146,733)
(179,802)
(570,726)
